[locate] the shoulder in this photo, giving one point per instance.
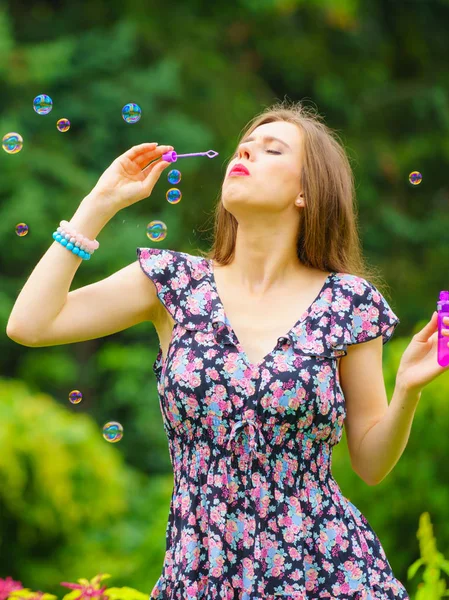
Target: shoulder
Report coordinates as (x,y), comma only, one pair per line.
(356,289)
(359,290)
(351,282)
(172,262)
(181,281)
(364,308)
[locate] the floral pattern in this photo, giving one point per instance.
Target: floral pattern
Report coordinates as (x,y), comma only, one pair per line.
(255,512)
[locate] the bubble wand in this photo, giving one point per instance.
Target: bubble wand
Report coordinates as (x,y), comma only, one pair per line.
(173,157)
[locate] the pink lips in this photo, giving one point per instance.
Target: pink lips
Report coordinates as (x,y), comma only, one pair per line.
(239,170)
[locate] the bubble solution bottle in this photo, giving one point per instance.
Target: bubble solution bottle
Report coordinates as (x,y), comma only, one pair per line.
(443,311)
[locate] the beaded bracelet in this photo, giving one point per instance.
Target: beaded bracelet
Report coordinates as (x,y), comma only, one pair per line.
(65,241)
(78,244)
(90,245)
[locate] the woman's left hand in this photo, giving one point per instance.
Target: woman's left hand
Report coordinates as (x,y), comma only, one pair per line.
(419,365)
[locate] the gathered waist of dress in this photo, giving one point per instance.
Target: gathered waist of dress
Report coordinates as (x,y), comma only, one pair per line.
(276,434)
(214,456)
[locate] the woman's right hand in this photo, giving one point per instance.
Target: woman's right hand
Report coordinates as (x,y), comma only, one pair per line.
(131,177)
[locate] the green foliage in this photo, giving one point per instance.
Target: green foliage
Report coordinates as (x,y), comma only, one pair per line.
(58,473)
(125,593)
(81,590)
(28,594)
(67,499)
(432,588)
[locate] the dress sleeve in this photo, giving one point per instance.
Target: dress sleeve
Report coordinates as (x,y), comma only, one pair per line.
(171,273)
(371,315)
(165,270)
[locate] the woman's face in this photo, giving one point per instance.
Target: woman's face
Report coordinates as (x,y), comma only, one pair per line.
(274,166)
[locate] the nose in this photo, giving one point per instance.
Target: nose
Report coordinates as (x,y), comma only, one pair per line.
(244,151)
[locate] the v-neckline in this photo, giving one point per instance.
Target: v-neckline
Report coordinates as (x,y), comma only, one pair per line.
(294,326)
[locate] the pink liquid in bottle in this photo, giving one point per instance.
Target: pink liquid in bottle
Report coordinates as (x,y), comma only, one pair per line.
(443,311)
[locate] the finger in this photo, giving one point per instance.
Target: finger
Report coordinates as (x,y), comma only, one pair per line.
(428,329)
(136,151)
(153,164)
(143,160)
(152,174)
(142,153)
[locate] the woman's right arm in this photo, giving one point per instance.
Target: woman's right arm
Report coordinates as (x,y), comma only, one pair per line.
(46,313)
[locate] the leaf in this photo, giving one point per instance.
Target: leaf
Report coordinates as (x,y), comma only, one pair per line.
(125,593)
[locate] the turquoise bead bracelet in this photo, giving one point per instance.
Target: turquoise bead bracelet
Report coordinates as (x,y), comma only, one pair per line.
(64,241)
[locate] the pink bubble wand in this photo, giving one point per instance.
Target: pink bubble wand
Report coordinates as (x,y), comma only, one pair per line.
(173,157)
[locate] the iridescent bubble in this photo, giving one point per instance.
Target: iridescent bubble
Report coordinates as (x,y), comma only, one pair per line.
(173,195)
(63,125)
(131,112)
(415,177)
(21,229)
(156,231)
(42,104)
(174,176)
(113,431)
(12,143)
(75,396)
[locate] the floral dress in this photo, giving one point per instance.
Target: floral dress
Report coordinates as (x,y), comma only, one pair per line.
(255,512)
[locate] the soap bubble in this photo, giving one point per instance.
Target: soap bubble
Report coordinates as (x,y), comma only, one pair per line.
(12,143)
(63,125)
(173,195)
(174,176)
(415,177)
(131,112)
(21,229)
(75,396)
(42,104)
(156,231)
(113,431)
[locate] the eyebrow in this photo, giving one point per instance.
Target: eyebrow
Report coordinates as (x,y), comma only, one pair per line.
(266,138)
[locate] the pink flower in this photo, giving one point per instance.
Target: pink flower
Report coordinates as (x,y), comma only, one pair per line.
(88,589)
(7,586)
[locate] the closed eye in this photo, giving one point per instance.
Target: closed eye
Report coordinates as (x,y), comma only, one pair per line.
(270,151)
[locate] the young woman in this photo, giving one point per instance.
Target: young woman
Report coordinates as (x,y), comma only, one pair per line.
(269,344)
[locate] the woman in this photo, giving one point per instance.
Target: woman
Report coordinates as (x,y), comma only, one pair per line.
(268,345)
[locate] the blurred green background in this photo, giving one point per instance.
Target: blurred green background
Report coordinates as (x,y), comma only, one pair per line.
(72,505)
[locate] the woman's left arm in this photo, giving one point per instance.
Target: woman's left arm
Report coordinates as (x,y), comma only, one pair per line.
(384,443)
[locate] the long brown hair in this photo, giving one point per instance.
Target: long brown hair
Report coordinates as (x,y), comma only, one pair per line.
(328,236)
